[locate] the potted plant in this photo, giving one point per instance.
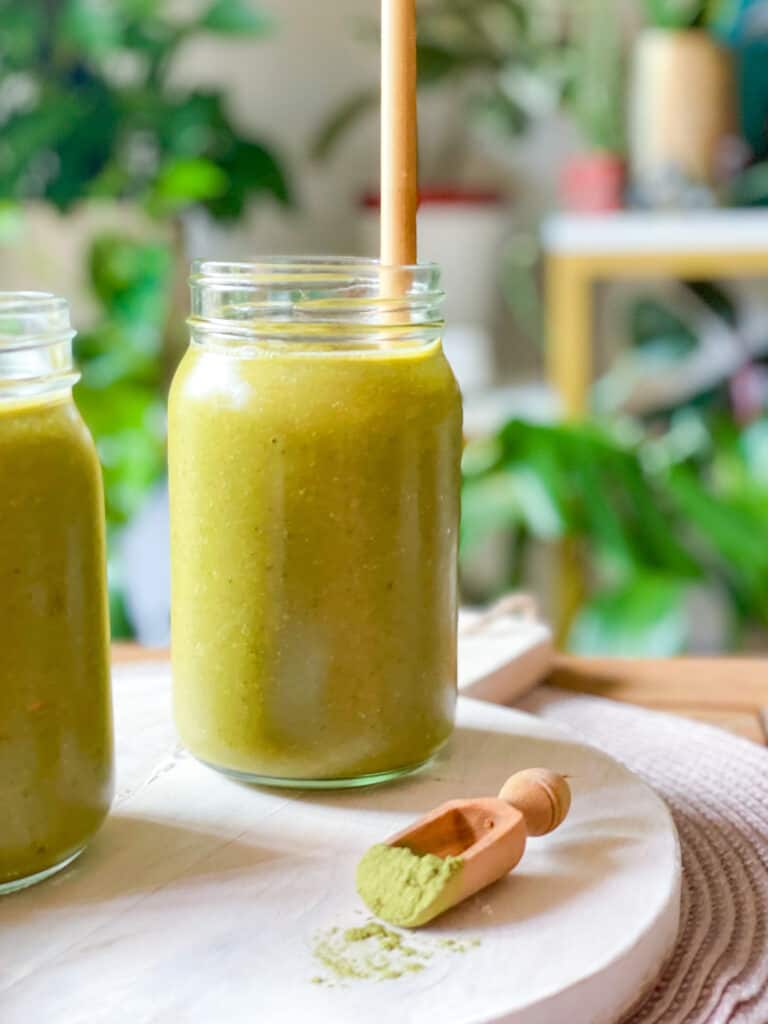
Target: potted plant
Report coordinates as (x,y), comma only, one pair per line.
(682,105)
(593,179)
(103,156)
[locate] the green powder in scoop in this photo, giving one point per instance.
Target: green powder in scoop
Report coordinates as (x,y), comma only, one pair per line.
(406,888)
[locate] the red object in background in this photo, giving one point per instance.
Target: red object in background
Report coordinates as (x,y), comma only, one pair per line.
(749,390)
(449,195)
(593,183)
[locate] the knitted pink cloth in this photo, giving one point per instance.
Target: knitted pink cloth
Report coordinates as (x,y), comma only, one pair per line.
(716,786)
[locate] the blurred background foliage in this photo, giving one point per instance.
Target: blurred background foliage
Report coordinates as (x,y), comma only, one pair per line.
(89,111)
(682,14)
(657,515)
(515,61)
(667,507)
(665,501)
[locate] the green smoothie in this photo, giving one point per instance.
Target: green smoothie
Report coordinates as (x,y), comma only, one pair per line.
(55,712)
(314,508)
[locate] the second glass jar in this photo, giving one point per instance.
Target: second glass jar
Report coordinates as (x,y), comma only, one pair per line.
(55,705)
(314,448)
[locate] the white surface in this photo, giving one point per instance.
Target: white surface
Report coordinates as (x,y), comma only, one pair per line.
(198,901)
(644,231)
(504,659)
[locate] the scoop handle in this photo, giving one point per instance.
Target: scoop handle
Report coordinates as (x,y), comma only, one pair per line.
(543,797)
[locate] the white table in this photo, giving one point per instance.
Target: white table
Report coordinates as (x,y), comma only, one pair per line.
(198,901)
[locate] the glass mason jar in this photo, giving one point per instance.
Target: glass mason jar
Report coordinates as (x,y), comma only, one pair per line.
(55,708)
(314,448)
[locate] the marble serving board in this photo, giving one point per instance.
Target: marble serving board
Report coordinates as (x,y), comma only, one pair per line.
(199,901)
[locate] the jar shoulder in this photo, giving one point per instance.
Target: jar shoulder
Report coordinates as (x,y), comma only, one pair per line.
(48,433)
(368,380)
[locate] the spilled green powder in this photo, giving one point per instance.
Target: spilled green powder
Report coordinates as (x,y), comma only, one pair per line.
(373,952)
(370,952)
(458,945)
(406,888)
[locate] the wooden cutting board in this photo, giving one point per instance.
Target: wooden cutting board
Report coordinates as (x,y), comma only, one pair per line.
(199,900)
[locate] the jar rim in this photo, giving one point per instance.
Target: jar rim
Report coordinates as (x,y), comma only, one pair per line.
(274,264)
(311,297)
(30,318)
(35,344)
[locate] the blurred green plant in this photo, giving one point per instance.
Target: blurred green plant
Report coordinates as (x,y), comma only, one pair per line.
(89,110)
(515,61)
(684,14)
(675,14)
(668,508)
(656,516)
(121,393)
(514,58)
(596,96)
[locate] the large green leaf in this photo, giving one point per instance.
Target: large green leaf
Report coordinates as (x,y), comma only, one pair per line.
(192,125)
(436,62)
(127,422)
(119,620)
(23,29)
(540,450)
(648,517)
(570,465)
(236,17)
(90,28)
(488,505)
(644,616)
(28,141)
(120,266)
(251,170)
(186,181)
(131,279)
(676,13)
(154,40)
(505,500)
(82,153)
(730,536)
(107,118)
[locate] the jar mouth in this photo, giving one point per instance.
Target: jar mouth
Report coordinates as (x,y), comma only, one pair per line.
(35,344)
(32,320)
(307,296)
(278,264)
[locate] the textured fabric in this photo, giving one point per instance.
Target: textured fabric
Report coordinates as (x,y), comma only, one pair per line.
(716,786)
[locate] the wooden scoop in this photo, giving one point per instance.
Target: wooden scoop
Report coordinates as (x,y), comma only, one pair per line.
(486,835)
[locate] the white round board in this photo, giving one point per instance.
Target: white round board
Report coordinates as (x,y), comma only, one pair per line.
(199,901)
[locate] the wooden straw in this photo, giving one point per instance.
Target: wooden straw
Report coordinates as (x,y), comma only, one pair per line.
(399,139)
